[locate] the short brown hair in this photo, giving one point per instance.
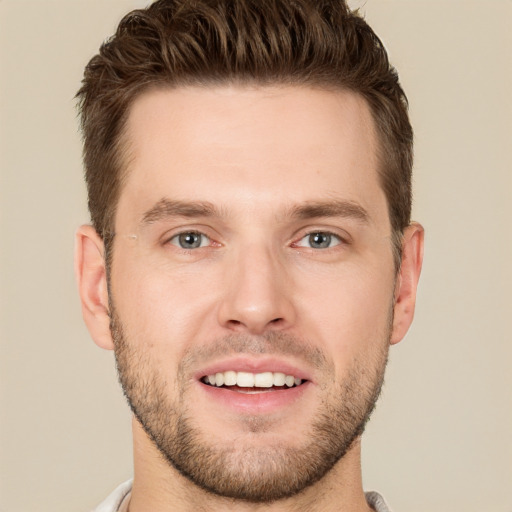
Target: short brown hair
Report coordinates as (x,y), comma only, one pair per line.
(318,43)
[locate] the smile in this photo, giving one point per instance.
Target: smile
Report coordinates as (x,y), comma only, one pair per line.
(246,380)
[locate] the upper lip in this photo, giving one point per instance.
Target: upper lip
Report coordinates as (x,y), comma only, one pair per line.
(254,365)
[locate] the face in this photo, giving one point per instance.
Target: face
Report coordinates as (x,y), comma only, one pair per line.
(252,282)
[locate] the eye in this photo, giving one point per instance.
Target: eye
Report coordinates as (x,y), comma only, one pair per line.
(190,240)
(319,240)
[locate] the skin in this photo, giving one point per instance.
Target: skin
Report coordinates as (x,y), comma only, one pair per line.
(258,156)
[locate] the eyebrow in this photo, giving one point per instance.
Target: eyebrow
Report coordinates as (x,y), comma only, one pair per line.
(166,208)
(172,208)
(330,208)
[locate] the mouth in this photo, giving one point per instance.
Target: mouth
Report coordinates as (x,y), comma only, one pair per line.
(251,383)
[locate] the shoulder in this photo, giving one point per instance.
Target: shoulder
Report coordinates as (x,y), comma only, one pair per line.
(377,502)
(114,500)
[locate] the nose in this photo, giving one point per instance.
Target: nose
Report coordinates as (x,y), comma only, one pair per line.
(258,293)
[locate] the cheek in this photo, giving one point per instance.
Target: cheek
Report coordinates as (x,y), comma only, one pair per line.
(351,311)
(343,308)
(159,306)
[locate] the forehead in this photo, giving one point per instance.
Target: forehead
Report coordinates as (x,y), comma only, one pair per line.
(245,144)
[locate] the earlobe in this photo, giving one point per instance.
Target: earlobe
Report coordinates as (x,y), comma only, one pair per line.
(91,277)
(407,281)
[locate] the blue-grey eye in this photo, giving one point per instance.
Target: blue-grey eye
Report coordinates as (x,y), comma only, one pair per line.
(319,240)
(190,240)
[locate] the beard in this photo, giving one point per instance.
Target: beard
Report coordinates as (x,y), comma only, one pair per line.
(253,472)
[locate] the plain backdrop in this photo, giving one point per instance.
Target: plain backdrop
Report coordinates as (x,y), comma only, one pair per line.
(440,440)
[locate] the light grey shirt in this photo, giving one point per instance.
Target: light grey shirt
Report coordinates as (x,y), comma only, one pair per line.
(118,500)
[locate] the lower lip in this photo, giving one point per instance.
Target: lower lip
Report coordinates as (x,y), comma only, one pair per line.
(255,403)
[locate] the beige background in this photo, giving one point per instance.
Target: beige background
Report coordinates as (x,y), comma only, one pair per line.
(440,440)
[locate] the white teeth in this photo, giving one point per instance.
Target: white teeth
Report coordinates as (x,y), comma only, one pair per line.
(264,380)
(244,380)
(230,378)
(251,380)
(279,379)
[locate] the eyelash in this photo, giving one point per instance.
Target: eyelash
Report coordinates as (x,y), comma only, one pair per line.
(329,235)
(191,232)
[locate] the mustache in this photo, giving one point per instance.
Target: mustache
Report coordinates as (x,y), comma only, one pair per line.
(273,343)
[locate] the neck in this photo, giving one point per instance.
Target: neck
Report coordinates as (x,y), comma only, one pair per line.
(159,487)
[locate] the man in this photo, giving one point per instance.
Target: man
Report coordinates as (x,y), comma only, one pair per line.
(251,257)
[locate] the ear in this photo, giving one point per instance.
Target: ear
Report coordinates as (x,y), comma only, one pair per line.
(407,280)
(91,276)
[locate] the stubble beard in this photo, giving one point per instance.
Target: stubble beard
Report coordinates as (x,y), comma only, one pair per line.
(260,473)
